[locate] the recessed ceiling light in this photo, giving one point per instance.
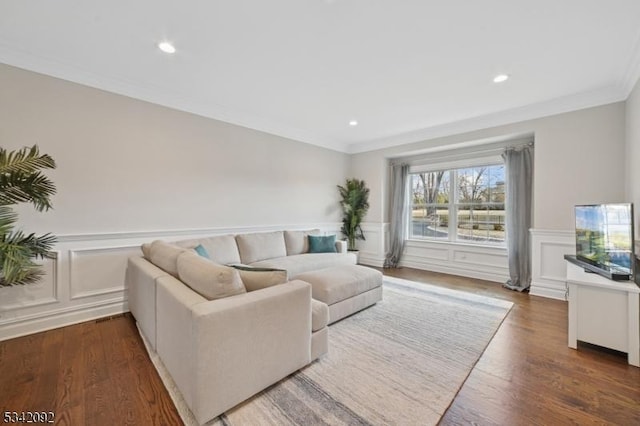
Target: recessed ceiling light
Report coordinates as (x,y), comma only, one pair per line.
(166,47)
(500,78)
(353,123)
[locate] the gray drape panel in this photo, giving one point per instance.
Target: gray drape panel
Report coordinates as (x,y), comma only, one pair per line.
(398,226)
(519,172)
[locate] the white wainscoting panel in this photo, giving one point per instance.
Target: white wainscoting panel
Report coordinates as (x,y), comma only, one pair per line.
(549,267)
(96,271)
(468,260)
(374,247)
(86,279)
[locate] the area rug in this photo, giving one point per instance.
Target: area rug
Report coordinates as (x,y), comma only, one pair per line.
(400,362)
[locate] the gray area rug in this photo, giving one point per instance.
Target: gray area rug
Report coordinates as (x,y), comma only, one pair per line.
(400,362)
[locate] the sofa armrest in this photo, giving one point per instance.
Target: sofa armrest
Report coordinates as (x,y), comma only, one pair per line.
(174,330)
(140,282)
(341,246)
(236,346)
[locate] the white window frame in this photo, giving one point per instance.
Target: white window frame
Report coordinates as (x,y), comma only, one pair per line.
(452,168)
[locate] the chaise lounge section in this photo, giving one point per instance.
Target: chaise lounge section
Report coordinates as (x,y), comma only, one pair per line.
(344,289)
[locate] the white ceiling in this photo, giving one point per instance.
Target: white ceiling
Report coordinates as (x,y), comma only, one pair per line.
(405,69)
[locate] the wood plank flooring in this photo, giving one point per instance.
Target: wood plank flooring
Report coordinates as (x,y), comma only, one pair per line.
(94,373)
(529,376)
(98,373)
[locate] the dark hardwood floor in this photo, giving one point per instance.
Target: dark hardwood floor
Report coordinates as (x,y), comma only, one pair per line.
(94,373)
(529,376)
(98,373)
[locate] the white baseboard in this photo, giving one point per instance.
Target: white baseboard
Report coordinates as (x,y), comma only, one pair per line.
(61,318)
(538,289)
(370,261)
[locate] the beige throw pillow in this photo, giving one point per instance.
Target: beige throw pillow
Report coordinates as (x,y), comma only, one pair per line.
(210,280)
(146,250)
(259,278)
(165,256)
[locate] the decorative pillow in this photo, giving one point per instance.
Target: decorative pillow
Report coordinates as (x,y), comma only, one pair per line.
(201,251)
(210,280)
(297,242)
(146,250)
(165,256)
(255,278)
(322,244)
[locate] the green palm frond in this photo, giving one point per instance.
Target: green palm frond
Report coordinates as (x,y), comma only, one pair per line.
(19,188)
(17,252)
(21,180)
(7,219)
(25,161)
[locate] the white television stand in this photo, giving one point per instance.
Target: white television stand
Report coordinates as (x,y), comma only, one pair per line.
(603,312)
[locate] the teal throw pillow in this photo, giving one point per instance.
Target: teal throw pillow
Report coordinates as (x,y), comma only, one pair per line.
(202,251)
(322,244)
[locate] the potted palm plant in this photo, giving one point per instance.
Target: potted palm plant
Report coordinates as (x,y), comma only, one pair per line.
(21,180)
(355,204)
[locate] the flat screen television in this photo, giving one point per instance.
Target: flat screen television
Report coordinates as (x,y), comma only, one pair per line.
(604,239)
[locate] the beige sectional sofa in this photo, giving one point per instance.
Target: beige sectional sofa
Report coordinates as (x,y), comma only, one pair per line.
(221,352)
(288,250)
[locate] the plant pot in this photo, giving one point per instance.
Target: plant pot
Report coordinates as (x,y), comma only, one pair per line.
(357,253)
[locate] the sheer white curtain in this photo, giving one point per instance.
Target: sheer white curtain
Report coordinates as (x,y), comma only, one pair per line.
(519,173)
(398,226)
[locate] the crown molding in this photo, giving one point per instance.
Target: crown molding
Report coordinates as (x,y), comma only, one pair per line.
(561,105)
(161,96)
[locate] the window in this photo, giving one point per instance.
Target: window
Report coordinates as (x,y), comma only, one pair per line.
(461,204)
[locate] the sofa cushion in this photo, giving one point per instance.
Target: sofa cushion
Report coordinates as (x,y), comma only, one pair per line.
(297,241)
(322,244)
(300,263)
(333,285)
(255,278)
(222,249)
(319,315)
(165,256)
(210,280)
(260,245)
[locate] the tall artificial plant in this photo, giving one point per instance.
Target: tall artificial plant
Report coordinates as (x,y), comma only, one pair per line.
(355,203)
(22,181)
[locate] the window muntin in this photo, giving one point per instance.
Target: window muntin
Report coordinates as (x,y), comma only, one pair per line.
(463,204)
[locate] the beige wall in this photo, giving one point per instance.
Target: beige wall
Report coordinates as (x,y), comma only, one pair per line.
(127,165)
(632,126)
(578,159)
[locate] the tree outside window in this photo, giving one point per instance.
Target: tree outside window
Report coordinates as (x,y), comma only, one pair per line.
(465,204)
